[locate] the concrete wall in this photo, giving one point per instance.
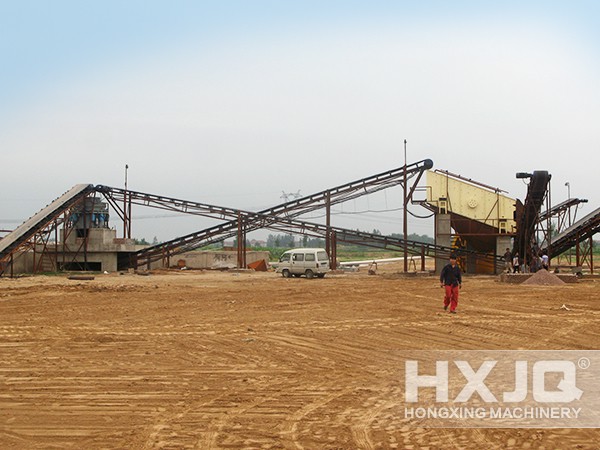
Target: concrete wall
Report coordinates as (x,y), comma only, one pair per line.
(103,247)
(22,263)
(502,243)
(108,260)
(212,259)
(101,240)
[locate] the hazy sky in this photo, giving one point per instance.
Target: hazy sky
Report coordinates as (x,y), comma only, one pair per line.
(231,102)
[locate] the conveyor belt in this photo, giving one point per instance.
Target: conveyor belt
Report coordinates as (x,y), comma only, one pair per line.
(287,210)
(560,208)
(16,238)
(580,231)
(528,219)
(254,221)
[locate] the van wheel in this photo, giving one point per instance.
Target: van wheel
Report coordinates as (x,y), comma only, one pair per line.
(309,274)
(321,275)
(286,273)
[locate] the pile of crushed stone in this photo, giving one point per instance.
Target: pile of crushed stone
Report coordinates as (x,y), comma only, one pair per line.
(543,278)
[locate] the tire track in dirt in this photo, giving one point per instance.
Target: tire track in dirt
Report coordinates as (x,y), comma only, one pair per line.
(361,429)
(289,429)
(215,427)
(252,361)
(313,346)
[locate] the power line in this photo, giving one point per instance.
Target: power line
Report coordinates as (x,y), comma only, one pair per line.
(350,213)
(291,195)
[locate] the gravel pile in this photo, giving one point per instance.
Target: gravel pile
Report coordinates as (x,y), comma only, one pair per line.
(543,278)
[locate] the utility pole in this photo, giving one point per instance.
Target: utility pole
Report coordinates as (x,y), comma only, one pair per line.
(568,185)
(125,217)
(405,213)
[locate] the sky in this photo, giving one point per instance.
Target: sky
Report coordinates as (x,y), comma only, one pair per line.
(232,102)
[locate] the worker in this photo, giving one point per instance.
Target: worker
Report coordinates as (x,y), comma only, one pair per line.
(451,281)
(545,260)
(516,263)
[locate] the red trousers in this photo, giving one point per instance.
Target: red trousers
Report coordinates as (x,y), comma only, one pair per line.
(451,297)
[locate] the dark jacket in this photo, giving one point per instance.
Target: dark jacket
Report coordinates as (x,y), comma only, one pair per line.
(451,276)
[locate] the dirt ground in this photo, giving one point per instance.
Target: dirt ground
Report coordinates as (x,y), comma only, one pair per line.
(252,360)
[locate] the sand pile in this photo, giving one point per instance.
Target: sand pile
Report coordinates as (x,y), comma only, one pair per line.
(543,278)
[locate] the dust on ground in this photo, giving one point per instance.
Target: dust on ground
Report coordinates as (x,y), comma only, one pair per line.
(252,360)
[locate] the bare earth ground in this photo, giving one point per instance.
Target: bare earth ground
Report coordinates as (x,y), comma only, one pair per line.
(252,360)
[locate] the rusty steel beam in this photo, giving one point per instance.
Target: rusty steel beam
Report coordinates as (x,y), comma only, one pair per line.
(291,209)
(42,224)
(350,190)
(580,231)
(256,221)
(527,221)
(561,208)
(294,208)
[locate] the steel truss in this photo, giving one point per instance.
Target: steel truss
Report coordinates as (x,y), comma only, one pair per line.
(37,239)
(242,222)
(555,221)
(568,233)
(279,218)
(580,236)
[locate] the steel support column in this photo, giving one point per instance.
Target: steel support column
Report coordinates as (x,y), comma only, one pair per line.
(333,243)
(592,255)
(129,218)
(328,246)
(241,243)
(125,214)
(405,212)
(86,233)
(34,253)
(577,253)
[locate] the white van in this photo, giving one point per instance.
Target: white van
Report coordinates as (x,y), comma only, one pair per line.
(304,261)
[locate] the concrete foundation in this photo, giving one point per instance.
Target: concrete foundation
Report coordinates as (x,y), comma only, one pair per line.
(107,261)
(103,249)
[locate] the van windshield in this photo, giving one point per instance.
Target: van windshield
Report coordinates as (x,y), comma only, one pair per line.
(322,256)
(285,257)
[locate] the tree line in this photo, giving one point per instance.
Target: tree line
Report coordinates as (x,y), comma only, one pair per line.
(291,241)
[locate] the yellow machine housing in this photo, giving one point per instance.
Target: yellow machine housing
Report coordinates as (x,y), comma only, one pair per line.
(481,216)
